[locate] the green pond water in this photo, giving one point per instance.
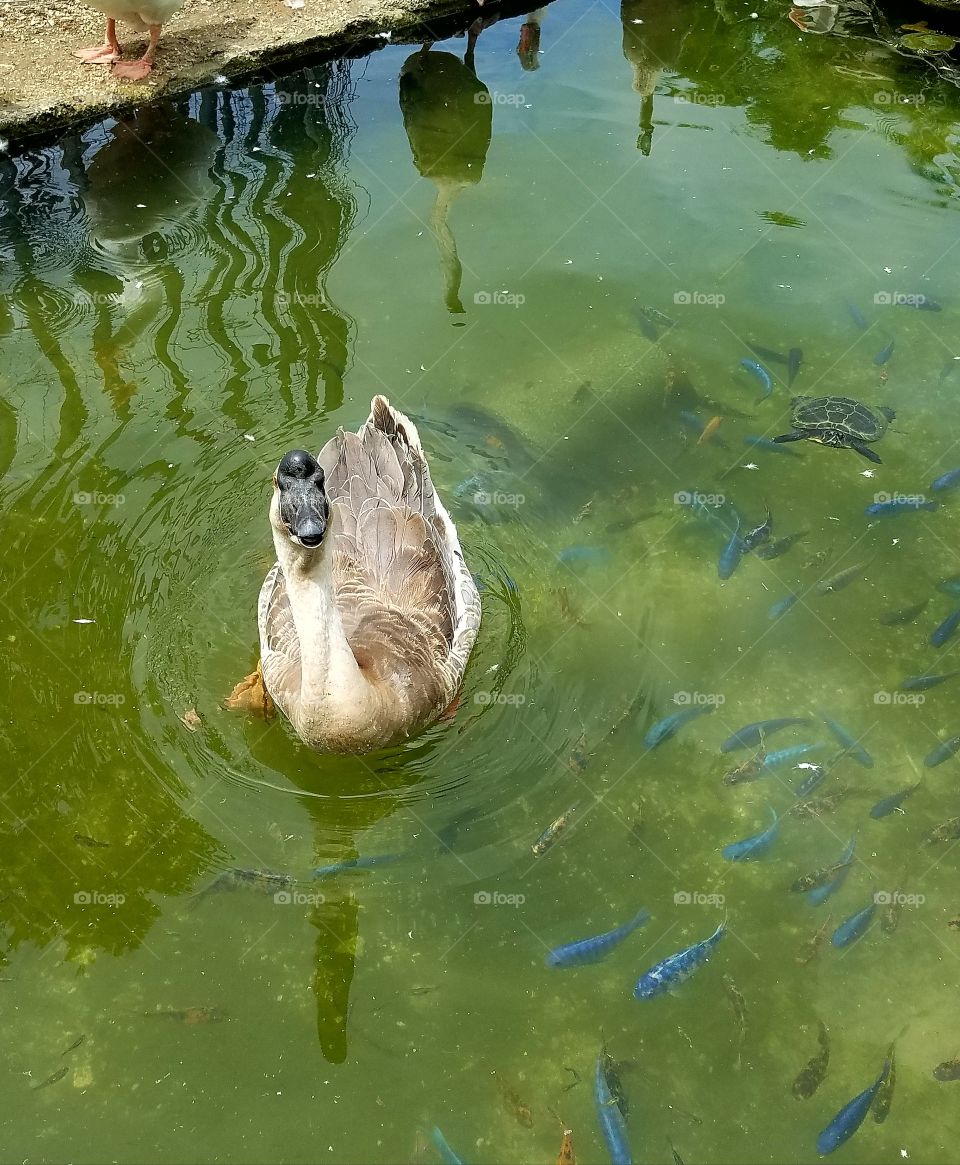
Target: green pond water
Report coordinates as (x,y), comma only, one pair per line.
(190,292)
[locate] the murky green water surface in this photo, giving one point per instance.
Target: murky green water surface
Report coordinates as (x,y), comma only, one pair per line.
(188,294)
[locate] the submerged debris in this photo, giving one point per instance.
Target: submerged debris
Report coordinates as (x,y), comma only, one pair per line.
(811,1075)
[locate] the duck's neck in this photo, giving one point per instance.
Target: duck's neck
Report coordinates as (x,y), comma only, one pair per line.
(332,686)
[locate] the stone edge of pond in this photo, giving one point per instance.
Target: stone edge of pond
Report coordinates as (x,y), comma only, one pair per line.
(361,27)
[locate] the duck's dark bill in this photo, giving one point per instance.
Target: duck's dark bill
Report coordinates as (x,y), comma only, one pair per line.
(303,504)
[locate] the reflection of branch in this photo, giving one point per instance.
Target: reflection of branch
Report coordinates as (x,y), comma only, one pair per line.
(449,259)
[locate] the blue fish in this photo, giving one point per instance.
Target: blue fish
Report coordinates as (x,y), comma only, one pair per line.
(596,949)
(848,742)
(444,1149)
(902,505)
(572,556)
(922,683)
(781,606)
(583,555)
(857,316)
(695,501)
(770,446)
(751,848)
(692,421)
(850,930)
(815,777)
(940,636)
(731,554)
(892,803)
(786,756)
(884,354)
(669,725)
(820,894)
(942,752)
(948,480)
(366,863)
(612,1124)
(670,972)
(850,1117)
(755,368)
(754,734)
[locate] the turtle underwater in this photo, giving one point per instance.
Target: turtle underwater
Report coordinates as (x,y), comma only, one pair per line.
(838,421)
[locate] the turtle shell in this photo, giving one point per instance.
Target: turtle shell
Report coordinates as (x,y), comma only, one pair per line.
(840,414)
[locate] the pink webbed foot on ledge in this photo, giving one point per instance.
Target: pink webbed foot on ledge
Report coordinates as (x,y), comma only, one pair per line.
(132,70)
(103,54)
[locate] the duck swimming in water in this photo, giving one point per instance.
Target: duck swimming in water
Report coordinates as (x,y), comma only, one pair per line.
(144,16)
(368,617)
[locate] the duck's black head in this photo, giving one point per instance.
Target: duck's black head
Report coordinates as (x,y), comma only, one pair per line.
(302,504)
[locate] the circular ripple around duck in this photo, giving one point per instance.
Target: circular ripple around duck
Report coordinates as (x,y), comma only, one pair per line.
(203,546)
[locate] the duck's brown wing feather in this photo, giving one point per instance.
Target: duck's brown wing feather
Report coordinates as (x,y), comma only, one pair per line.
(394,580)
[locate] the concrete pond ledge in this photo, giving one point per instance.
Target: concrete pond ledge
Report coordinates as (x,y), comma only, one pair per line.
(44,88)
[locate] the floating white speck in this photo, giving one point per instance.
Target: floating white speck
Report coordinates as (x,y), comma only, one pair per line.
(311,175)
(568,262)
(141,206)
(384,35)
(868,473)
(293,3)
(895,542)
(831,518)
(84,620)
(4,145)
(636,22)
(219,79)
(888,271)
(423,367)
(249,437)
(751,465)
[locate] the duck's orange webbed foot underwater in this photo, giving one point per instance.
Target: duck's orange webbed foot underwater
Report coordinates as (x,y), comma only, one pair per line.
(251,695)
